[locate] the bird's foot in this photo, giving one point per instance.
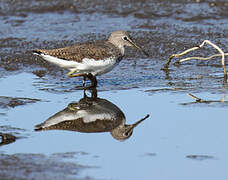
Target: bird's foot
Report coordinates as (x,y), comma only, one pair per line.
(74,74)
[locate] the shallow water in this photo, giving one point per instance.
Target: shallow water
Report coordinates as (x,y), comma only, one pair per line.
(182,138)
(184,141)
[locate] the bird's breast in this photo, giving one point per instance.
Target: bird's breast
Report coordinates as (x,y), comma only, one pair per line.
(99,67)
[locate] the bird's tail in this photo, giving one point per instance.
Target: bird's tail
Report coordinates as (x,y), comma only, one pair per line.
(55,60)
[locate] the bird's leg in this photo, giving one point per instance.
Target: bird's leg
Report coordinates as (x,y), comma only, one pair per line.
(93,80)
(94,92)
(84,81)
(84,94)
(91,77)
(71,74)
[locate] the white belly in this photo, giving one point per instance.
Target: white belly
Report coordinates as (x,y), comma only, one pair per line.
(95,67)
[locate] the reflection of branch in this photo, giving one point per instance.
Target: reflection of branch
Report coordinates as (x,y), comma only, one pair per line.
(200,58)
(199,100)
(196,98)
(223,98)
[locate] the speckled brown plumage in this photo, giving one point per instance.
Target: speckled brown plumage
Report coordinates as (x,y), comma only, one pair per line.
(98,51)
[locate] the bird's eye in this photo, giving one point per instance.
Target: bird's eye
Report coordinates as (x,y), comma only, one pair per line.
(125,38)
(126,134)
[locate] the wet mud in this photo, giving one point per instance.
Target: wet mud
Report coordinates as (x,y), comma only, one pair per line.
(160,27)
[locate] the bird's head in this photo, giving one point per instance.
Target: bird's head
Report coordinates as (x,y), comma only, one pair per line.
(122,39)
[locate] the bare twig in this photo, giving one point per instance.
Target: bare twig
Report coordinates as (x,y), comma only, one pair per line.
(200,58)
(222,54)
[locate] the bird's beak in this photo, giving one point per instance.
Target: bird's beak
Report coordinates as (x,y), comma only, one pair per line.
(136,46)
(137,123)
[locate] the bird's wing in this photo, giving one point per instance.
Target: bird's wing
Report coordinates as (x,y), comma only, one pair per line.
(78,52)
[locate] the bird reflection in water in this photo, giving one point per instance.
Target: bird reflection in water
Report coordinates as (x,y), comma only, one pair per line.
(91,115)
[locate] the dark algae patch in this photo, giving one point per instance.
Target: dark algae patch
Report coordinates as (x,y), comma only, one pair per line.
(38,166)
(11,102)
(201,157)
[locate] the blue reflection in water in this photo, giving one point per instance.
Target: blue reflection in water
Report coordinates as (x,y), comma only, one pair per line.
(172,132)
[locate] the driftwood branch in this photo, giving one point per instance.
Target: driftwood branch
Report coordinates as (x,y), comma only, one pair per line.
(221,53)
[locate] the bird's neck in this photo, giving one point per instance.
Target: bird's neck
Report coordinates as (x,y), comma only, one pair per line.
(119,46)
(122,49)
